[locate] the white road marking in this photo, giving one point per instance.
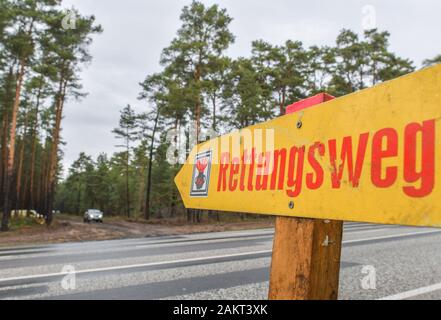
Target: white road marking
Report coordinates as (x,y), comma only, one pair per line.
(392,236)
(212,240)
(17,252)
(4,254)
(14,253)
(365,230)
(249,237)
(30,253)
(150,264)
(159,263)
(413,293)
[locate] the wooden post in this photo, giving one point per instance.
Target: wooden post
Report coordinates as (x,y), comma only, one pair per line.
(306,259)
(306,252)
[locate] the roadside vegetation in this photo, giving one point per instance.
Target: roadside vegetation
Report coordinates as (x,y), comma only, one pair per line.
(40,62)
(200,88)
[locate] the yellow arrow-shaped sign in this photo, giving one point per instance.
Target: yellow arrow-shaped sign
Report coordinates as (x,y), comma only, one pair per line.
(371,156)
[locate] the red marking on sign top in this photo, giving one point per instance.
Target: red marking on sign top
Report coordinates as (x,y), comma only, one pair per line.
(309,102)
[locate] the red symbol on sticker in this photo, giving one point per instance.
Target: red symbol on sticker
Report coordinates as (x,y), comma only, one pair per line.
(200,179)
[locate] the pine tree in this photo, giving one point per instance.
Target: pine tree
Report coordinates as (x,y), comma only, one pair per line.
(203,37)
(433,61)
(128,133)
(281,71)
(20,43)
(70,50)
(245,96)
(155,91)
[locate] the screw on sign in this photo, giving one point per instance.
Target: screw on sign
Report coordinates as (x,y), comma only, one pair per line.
(370,156)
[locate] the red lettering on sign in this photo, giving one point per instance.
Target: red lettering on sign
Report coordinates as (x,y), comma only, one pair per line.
(242,172)
(224,164)
(295,171)
(263,164)
(427,173)
(279,165)
(315,165)
(234,169)
(252,172)
(390,137)
(346,158)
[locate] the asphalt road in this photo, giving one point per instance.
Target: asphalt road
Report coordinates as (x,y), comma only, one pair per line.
(378,262)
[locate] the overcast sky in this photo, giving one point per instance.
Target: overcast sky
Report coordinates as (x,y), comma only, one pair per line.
(135,32)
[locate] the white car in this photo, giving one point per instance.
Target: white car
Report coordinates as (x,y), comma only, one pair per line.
(93,215)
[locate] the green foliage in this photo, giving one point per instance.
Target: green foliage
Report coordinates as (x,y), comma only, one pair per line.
(244,96)
(39,67)
(195,56)
(433,61)
(364,63)
(280,71)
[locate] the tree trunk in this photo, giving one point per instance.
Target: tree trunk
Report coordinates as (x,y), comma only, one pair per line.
(198,106)
(44,180)
(4,149)
(53,163)
(282,102)
(149,174)
(5,127)
(11,150)
(127,177)
(127,187)
(31,204)
(214,112)
(79,198)
(177,128)
(19,203)
(35,201)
